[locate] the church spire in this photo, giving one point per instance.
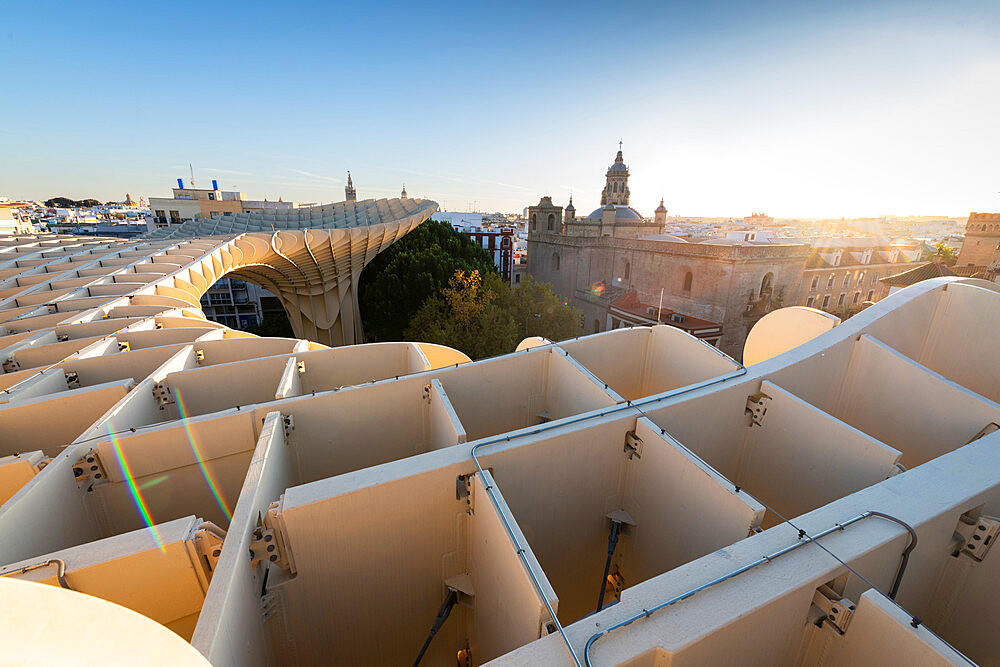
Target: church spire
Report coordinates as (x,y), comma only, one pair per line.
(403,194)
(349,192)
(616,189)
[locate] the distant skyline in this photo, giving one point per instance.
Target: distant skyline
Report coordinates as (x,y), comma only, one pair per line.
(796,109)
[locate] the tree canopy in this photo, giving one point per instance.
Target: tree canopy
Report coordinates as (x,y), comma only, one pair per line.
(66,202)
(435,285)
(398,281)
(941,254)
(483,317)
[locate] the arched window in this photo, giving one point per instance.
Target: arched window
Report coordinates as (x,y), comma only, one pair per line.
(815,283)
(552,221)
(555,261)
(628,270)
(861,278)
(688,279)
(765,284)
(534,220)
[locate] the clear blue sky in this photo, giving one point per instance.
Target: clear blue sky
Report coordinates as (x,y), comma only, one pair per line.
(794,108)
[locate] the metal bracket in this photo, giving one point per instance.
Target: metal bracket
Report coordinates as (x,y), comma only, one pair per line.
(757,408)
(90,466)
(10,365)
(163,395)
(463,486)
(633,446)
(300,366)
(978,536)
(427,392)
(72,380)
(837,610)
(123,346)
(268,545)
(199,355)
(289,424)
(209,547)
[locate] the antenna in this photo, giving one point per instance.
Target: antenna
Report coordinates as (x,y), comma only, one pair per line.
(192,173)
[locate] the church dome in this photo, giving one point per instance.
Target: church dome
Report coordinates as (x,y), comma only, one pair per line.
(622,213)
(618,166)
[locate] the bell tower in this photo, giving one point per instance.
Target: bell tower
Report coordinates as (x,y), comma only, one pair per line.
(349,192)
(616,186)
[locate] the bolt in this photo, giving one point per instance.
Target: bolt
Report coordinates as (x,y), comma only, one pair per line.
(274,558)
(216,553)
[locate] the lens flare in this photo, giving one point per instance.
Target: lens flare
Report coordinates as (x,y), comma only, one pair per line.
(136,496)
(201,461)
(597,289)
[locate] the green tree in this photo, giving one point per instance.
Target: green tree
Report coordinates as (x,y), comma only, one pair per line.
(412,270)
(942,254)
(483,317)
(539,311)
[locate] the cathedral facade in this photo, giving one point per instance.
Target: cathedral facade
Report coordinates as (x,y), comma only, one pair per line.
(620,269)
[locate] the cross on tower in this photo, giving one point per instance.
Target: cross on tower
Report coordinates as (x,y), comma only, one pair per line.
(619,144)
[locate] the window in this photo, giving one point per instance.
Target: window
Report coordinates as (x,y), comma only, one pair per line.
(861,279)
(597,326)
(765,284)
(534,220)
(628,270)
(871,295)
(552,222)
(517,278)
(815,284)
(555,261)
(810,301)
(847,280)
(874,278)
(826,301)
(175,217)
(829,281)
(843,297)
(857,297)
(836,259)
(688,278)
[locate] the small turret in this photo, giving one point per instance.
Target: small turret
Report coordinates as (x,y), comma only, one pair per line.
(570,211)
(660,214)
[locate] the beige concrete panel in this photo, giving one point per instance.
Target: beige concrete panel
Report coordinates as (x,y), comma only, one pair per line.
(239,349)
(882,389)
(617,357)
(570,389)
(28,424)
(682,508)
(39,626)
(391,565)
(374,425)
(220,386)
(956,347)
(17,470)
(46,514)
(444,427)
(135,364)
(509,611)
(784,329)
(439,356)
(172,467)
(355,365)
(801,458)
(132,570)
(231,628)
(39,383)
(879,629)
(290,383)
